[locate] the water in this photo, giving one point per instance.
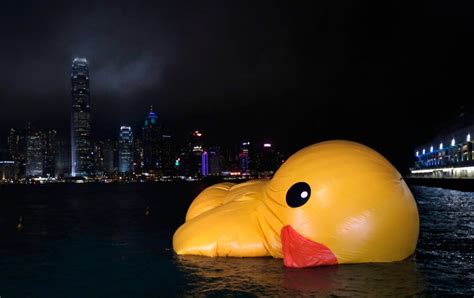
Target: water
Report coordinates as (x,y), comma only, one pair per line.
(97,241)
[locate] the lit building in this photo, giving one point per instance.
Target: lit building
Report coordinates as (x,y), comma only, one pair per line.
(244,159)
(138,161)
(62,159)
(151,138)
(204,164)
(268,160)
(8,169)
(82,160)
(214,158)
(17,149)
(125,151)
(196,151)
(447,156)
(34,154)
(168,155)
(49,158)
(108,153)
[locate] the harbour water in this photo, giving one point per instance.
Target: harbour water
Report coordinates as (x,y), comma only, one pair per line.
(97,240)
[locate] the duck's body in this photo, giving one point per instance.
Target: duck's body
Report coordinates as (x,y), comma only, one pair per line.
(331,203)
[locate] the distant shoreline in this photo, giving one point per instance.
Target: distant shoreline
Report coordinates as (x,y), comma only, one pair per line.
(462,184)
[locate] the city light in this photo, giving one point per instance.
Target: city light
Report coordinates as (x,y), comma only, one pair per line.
(441,145)
(468,137)
(453,142)
(431,149)
(417,153)
(267,145)
(423,151)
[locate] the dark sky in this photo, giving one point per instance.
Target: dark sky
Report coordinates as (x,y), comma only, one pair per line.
(292,72)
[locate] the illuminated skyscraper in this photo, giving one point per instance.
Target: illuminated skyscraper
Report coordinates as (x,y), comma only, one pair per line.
(151,135)
(49,158)
(81,148)
(125,149)
(214,160)
(34,154)
(244,159)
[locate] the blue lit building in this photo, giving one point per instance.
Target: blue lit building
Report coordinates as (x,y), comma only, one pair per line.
(151,139)
(82,159)
(244,159)
(204,164)
(125,149)
(447,156)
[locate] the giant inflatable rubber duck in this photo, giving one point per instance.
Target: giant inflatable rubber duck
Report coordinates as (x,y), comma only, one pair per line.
(334,202)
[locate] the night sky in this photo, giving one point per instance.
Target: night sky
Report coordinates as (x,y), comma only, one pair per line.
(288,72)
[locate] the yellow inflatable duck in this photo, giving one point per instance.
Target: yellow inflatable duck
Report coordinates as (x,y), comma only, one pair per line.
(334,202)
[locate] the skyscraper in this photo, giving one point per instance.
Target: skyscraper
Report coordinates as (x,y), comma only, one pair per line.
(125,149)
(151,136)
(244,159)
(49,158)
(81,148)
(34,154)
(214,160)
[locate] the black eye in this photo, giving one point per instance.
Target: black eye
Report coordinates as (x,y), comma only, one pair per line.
(298,194)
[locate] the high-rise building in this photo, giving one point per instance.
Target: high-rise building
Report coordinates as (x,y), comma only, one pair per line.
(63,158)
(151,139)
(125,149)
(34,154)
(8,170)
(214,159)
(196,147)
(244,159)
(17,149)
(107,155)
(138,163)
(81,147)
(168,155)
(49,157)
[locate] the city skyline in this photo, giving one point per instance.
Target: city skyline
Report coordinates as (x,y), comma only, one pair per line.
(247,70)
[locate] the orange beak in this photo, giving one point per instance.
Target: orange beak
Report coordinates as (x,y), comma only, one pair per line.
(300,252)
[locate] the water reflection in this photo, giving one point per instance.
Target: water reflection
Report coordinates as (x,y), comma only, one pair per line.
(268,276)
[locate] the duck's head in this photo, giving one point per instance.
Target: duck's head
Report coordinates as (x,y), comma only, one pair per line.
(342,202)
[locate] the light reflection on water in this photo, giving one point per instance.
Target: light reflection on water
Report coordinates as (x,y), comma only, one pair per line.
(267,276)
(96,241)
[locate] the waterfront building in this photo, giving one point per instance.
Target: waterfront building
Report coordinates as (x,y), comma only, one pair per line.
(196,150)
(244,158)
(215,160)
(151,139)
(168,155)
(49,157)
(8,169)
(34,154)
(17,149)
(268,160)
(138,159)
(125,151)
(108,153)
(62,159)
(204,164)
(82,160)
(449,155)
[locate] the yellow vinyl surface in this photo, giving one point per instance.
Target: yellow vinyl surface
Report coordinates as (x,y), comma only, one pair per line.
(359,207)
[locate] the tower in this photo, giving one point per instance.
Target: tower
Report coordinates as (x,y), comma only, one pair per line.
(81,147)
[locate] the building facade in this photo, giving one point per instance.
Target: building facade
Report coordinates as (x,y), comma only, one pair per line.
(447,156)
(125,149)
(151,139)
(82,160)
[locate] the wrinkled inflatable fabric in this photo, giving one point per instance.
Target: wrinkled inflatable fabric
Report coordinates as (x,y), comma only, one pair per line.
(330,203)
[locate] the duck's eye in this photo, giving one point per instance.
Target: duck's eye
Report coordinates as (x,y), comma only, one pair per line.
(298,194)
